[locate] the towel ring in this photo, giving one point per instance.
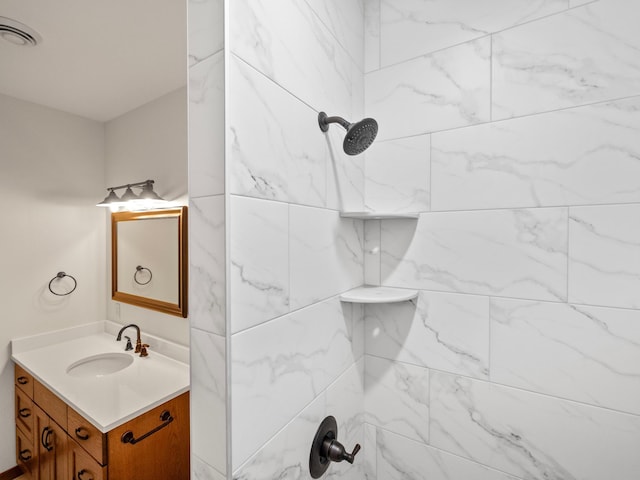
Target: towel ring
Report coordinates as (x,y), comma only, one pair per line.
(138,270)
(59,276)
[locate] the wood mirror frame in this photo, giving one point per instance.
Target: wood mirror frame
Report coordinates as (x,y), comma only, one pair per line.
(179,308)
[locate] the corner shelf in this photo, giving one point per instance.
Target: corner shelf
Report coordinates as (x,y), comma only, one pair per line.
(379,215)
(372,294)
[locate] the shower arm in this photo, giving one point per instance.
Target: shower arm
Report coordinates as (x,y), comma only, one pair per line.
(325,121)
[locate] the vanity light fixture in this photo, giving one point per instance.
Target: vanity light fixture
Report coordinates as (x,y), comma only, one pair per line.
(146,199)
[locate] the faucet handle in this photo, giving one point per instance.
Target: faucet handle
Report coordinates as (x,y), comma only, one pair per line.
(143,350)
(129,346)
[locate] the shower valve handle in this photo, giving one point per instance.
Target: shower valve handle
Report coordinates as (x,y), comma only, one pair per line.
(336,452)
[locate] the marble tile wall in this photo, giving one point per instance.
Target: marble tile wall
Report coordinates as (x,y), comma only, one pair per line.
(295,351)
(512,128)
(207,240)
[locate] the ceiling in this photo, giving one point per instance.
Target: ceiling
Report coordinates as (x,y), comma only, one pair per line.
(98,58)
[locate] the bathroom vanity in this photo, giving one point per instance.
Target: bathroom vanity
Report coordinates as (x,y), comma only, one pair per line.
(87,410)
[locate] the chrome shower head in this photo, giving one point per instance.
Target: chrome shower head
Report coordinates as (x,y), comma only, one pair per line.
(360,135)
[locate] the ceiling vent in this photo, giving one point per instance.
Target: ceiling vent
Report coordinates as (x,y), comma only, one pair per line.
(18,33)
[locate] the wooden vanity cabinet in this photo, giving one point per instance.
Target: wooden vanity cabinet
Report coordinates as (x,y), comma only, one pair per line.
(54,442)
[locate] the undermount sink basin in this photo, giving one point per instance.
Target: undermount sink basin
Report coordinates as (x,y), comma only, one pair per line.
(100,365)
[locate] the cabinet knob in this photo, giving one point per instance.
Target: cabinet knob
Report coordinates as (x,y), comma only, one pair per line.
(24,412)
(82,433)
(23,380)
(25,455)
(82,473)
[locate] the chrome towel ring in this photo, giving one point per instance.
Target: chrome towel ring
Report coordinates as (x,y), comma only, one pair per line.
(59,276)
(139,269)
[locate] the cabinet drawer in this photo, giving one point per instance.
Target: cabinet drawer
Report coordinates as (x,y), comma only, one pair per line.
(24,413)
(26,457)
(161,449)
(87,436)
(50,403)
(23,380)
(82,466)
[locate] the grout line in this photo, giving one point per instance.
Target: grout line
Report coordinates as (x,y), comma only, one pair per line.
(507,475)
(568,244)
(491,78)
(489,356)
(487,34)
(508,386)
(515,117)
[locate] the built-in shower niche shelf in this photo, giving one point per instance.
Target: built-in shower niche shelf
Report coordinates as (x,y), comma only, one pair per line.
(372,294)
(378,215)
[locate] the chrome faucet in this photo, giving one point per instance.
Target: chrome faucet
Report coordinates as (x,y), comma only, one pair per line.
(138,341)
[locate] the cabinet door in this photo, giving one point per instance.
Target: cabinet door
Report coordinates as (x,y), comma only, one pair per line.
(25,454)
(41,444)
(59,460)
(24,413)
(160,449)
(83,467)
(50,444)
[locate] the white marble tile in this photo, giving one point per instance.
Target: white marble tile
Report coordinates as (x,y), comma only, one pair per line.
(585,55)
(445,331)
(447,89)
(277,150)
(530,435)
(584,155)
(286,455)
(589,354)
(397,397)
(410,28)
(397,175)
(287,41)
(207,282)
(577,3)
(206,127)
(604,265)
(515,253)
(371,35)
(345,401)
(326,254)
(259,257)
(201,471)
(345,19)
(369,453)
(206,28)
(400,458)
(355,329)
(372,252)
(345,174)
(208,399)
(280,366)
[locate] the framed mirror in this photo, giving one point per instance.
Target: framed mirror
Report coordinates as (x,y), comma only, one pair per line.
(149,259)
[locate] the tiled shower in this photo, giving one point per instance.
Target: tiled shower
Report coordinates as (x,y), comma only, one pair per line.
(512,128)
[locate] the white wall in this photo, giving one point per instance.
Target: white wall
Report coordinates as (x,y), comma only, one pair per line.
(513,128)
(51,174)
(149,142)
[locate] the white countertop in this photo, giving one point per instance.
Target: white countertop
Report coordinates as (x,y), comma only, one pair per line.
(110,400)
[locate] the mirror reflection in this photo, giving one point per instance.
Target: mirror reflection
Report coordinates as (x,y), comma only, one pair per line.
(149,259)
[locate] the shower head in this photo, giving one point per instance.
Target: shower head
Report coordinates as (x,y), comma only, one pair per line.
(360,135)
